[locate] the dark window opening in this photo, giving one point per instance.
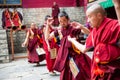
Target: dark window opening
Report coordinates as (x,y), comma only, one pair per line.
(111,13)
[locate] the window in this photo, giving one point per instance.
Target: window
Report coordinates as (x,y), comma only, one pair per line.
(10,3)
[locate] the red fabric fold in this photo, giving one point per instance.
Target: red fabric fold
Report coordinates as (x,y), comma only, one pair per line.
(104,40)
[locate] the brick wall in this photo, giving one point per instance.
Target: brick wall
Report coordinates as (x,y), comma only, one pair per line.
(18,39)
(37,15)
(4,56)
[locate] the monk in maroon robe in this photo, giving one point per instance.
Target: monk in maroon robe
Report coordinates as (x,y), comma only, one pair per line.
(105,39)
(6,19)
(67,52)
(32,41)
(49,44)
(55,12)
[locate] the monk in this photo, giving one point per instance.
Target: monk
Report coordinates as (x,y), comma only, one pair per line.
(17,18)
(55,12)
(6,19)
(105,39)
(32,42)
(68,58)
(48,46)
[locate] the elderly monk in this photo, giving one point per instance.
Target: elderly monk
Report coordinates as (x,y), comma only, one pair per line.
(72,63)
(105,39)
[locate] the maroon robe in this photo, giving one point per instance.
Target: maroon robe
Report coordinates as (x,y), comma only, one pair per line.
(55,12)
(6,17)
(50,62)
(66,51)
(106,62)
(33,57)
(17,19)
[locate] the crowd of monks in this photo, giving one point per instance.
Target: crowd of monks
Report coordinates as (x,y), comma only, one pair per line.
(64,51)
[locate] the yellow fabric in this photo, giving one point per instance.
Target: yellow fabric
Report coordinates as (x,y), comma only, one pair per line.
(38,36)
(75,49)
(55,39)
(105,62)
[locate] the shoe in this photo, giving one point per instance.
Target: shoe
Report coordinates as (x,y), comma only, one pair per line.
(37,65)
(52,73)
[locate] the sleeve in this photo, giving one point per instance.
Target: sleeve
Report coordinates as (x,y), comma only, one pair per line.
(75,32)
(56,33)
(89,41)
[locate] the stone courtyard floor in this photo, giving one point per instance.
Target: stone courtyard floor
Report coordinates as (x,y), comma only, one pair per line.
(20,69)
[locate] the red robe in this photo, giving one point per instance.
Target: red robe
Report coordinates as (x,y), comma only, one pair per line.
(50,62)
(6,16)
(55,12)
(66,51)
(33,57)
(105,63)
(17,19)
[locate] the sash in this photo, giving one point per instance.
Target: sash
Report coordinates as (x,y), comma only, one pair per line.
(73,67)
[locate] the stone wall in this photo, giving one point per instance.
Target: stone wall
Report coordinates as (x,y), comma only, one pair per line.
(4,55)
(37,15)
(18,39)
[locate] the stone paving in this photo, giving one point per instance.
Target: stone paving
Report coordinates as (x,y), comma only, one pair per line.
(20,69)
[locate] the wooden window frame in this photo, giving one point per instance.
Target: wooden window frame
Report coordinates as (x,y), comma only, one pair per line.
(10,5)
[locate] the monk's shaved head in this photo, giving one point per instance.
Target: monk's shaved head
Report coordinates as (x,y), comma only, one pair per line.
(96,8)
(95,15)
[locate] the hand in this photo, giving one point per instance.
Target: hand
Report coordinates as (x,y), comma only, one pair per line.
(50,21)
(23,45)
(70,39)
(76,25)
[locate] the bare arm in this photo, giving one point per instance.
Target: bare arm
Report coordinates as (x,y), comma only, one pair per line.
(26,40)
(84,29)
(47,33)
(78,45)
(117,8)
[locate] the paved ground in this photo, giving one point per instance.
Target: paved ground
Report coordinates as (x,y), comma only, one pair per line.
(20,69)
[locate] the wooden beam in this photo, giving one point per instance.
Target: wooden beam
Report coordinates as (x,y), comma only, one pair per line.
(12,43)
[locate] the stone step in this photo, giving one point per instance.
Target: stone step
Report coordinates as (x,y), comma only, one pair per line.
(4,58)
(4,55)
